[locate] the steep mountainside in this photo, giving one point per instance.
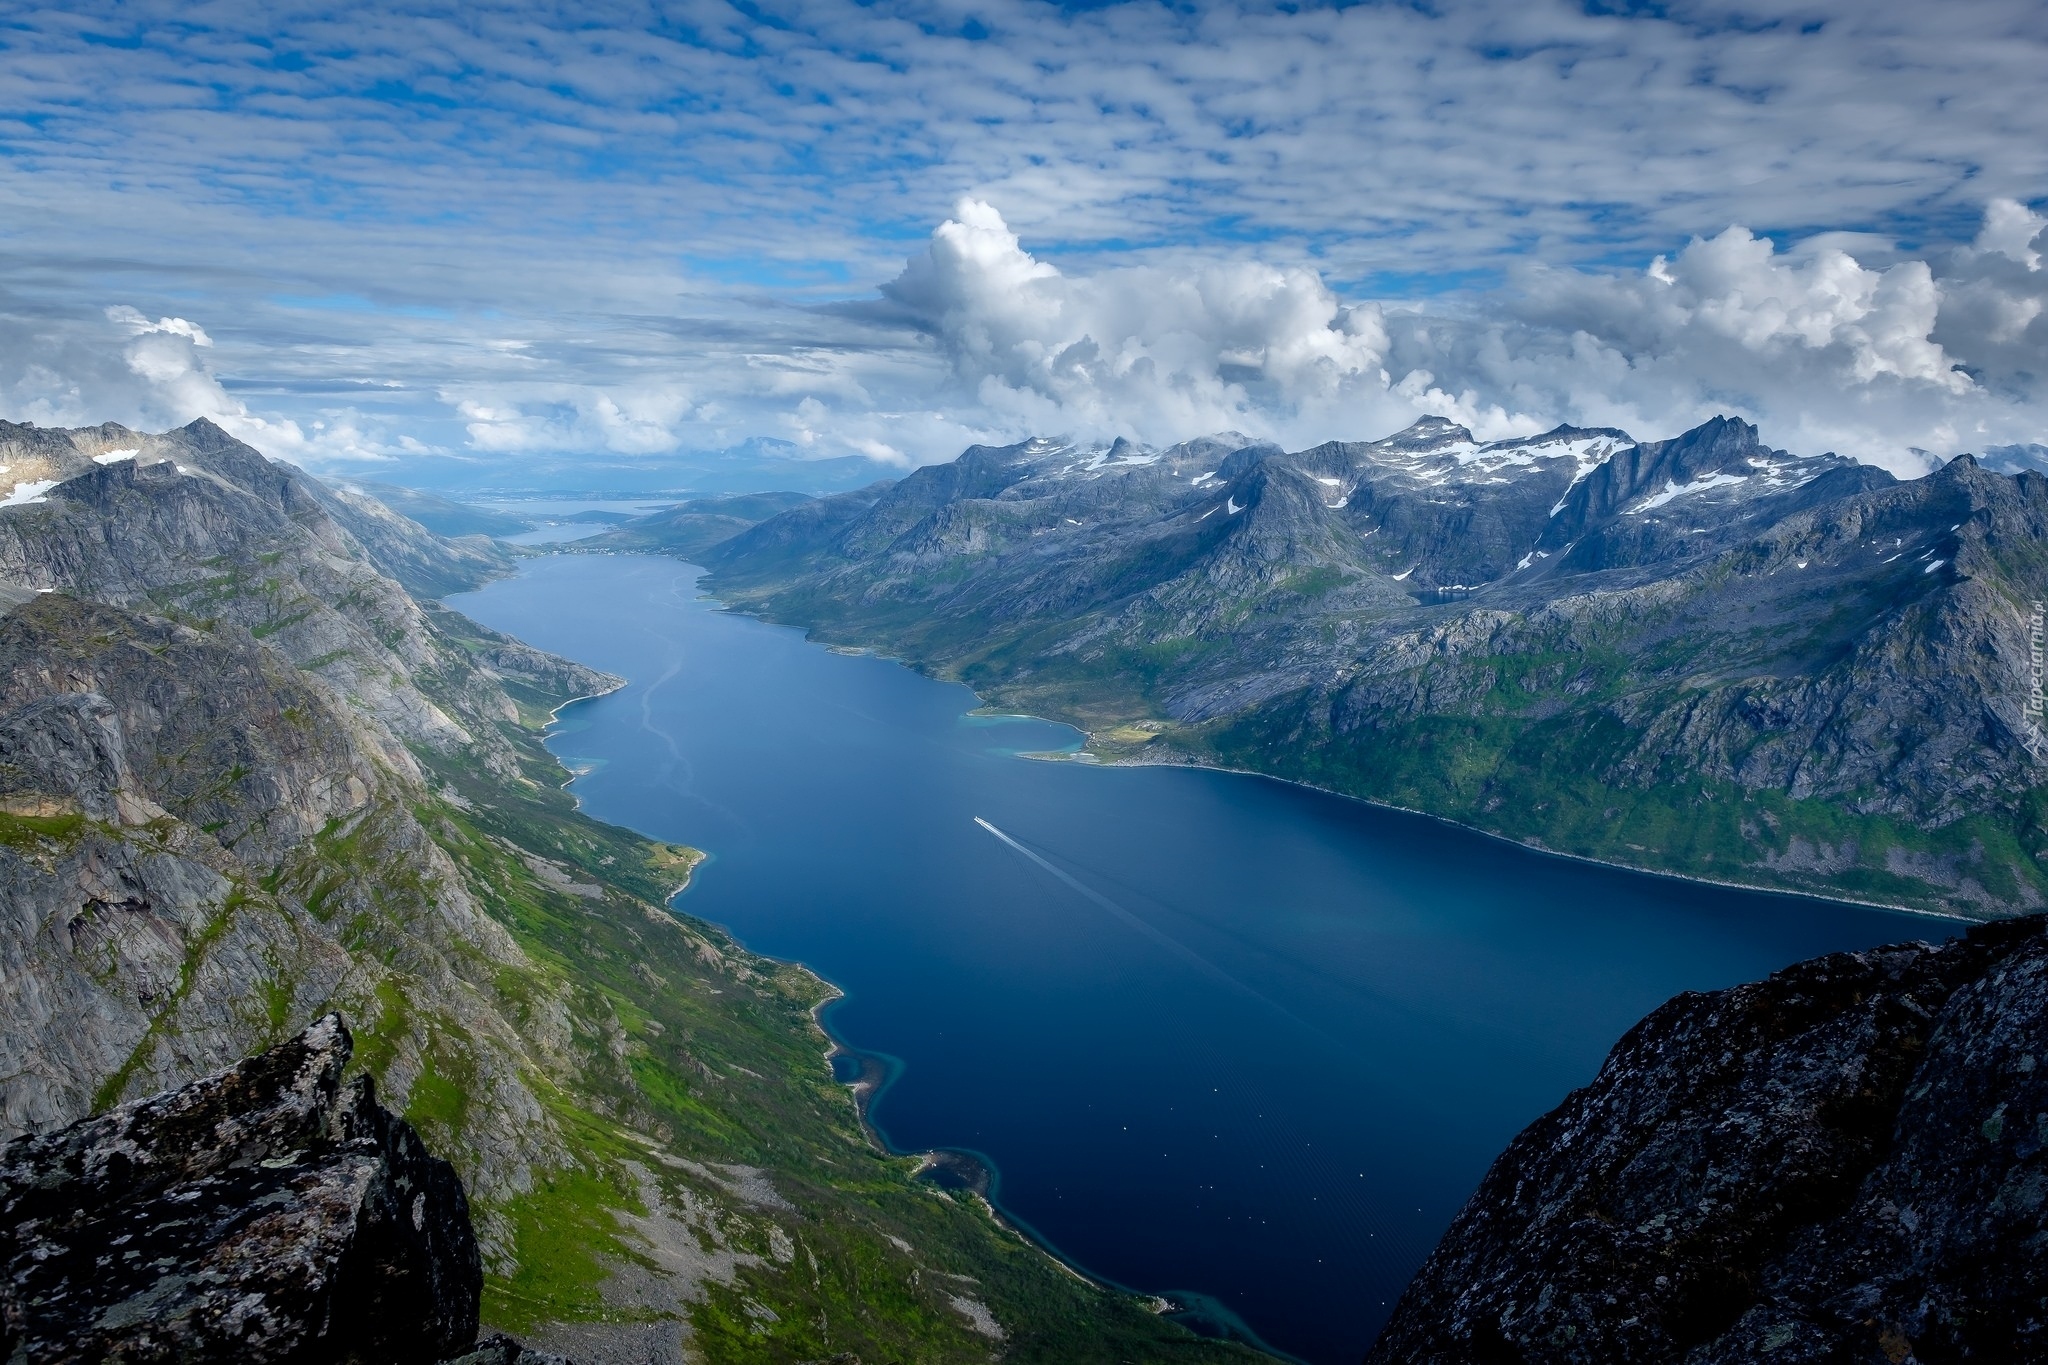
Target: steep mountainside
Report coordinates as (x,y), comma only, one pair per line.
(1846,1162)
(427,564)
(442,516)
(1698,655)
(246,778)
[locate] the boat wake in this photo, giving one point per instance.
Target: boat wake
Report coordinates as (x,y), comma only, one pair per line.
(1150,931)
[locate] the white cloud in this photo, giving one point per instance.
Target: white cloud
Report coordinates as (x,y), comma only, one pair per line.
(1734,295)
(1140,349)
(610,232)
(1876,361)
(164,355)
(2010,228)
(1825,351)
(114,364)
(1881,361)
(121,315)
(549,417)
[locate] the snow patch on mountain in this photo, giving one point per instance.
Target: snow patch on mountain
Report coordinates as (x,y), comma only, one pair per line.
(1673,490)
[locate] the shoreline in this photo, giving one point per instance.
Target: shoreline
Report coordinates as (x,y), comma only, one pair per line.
(980,1185)
(569,782)
(864,1089)
(874,1075)
(1087,757)
(1097,761)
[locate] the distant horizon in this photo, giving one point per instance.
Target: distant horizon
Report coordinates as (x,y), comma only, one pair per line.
(737,476)
(421,232)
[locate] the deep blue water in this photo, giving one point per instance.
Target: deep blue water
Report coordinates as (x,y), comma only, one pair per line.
(1221,1038)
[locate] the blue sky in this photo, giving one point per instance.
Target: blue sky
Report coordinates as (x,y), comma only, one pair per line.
(363,235)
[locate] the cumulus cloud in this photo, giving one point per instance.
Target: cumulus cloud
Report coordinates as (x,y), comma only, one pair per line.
(117,365)
(1887,360)
(1144,349)
(1824,350)
(135,323)
(179,386)
(2010,228)
(1842,342)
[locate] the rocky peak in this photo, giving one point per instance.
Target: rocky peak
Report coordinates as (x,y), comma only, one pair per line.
(1427,432)
(1691,495)
(2017,459)
(35,459)
(1210,448)
(1721,448)
(265,1213)
(1846,1162)
(1243,459)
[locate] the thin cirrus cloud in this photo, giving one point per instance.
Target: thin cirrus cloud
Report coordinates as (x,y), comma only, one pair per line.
(499,231)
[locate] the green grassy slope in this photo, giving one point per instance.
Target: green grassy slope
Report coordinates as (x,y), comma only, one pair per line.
(723,1065)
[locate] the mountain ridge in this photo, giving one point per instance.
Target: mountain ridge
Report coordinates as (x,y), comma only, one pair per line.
(1794,672)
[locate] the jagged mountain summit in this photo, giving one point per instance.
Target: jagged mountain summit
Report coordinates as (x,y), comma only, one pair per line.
(1445,511)
(1699,655)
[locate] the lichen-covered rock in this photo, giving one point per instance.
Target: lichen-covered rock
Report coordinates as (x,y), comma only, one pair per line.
(1847,1162)
(265,1213)
(503,1350)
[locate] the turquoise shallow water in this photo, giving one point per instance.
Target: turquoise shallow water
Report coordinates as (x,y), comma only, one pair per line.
(1236,1042)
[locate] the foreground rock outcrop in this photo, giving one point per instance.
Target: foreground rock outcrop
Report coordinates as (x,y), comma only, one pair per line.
(265,1213)
(1847,1162)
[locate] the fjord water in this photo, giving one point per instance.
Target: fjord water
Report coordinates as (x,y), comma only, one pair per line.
(1223,1039)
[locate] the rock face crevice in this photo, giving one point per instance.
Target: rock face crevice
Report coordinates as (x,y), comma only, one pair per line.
(265,1213)
(1845,1162)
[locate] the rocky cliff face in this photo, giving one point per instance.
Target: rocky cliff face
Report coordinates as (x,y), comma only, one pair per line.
(1846,1162)
(264,1213)
(195,526)
(194,830)
(427,565)
(1700,655)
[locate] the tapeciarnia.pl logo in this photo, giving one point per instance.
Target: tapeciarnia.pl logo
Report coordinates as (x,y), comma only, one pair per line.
(2036,743)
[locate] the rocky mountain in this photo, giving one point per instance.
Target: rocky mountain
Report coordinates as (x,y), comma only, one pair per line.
(426,563)
(1846,1162)
(2016,459)
(1698,655)
(247,778)
(442,516)
(689,529)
